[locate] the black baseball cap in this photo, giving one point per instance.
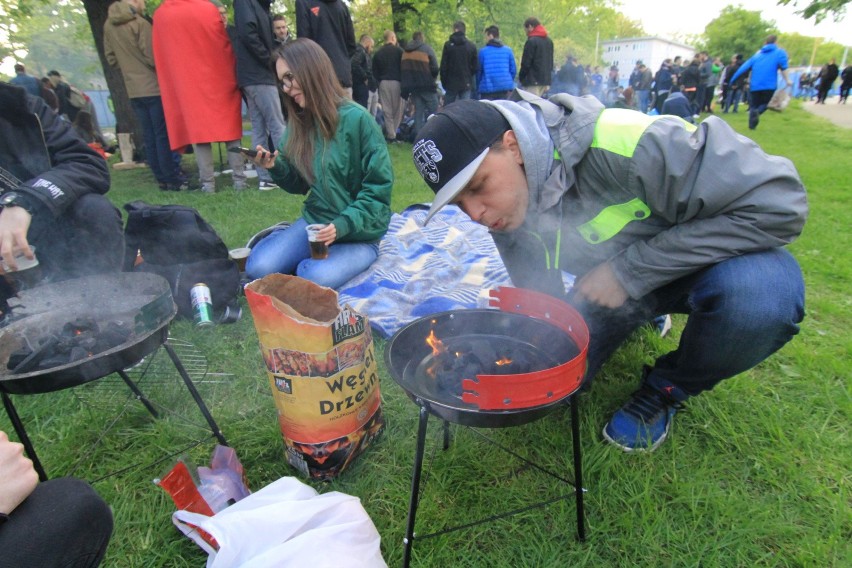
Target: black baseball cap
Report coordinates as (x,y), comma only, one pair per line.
(451,145)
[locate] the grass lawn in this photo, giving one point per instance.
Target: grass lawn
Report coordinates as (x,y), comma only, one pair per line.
(757,472)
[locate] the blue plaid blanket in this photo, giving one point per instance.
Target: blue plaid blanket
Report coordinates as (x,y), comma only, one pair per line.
(448,265)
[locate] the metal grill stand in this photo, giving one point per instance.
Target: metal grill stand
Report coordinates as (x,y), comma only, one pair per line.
(414,499)
(214,428)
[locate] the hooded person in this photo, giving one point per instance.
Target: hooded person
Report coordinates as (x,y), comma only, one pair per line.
(536,70)
(652,214)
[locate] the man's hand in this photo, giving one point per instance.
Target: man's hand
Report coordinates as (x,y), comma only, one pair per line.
(17,477)
(600,286)
(14,224)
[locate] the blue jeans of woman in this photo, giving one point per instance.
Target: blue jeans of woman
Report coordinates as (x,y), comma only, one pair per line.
(286,251)
(740,311)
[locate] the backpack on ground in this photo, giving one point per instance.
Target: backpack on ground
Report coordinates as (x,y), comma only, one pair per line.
(178,244)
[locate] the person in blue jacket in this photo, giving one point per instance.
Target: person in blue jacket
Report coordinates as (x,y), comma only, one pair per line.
(764,66)
(496,75)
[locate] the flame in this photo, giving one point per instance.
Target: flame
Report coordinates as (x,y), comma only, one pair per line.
(435,343)
(503,361)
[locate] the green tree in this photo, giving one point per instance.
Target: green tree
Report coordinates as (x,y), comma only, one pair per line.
(736,30)
(819,9)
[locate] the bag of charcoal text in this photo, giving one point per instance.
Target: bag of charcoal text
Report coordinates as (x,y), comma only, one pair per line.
(322,370)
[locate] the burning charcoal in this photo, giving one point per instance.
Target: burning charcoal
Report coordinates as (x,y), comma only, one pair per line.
(115,333)
(77,353)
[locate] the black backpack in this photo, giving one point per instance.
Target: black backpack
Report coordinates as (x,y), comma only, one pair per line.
(178,244)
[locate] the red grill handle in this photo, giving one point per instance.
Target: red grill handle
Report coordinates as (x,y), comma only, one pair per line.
(525,390)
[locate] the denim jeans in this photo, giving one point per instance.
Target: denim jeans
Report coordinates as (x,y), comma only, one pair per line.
(158,153)
(643,96)
(425,104)
(453,96)
(732,98)
(287,251)
(741,311)
(267,119)
(87,238)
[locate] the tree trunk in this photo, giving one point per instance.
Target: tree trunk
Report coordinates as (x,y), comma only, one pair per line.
(125,120)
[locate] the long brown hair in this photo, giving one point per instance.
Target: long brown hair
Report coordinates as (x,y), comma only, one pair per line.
(323,94)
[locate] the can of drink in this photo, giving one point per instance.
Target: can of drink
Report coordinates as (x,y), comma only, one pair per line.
(202,304)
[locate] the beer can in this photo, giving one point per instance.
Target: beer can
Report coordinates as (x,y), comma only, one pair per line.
(202,304)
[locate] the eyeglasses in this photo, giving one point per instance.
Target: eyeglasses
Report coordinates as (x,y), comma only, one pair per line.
(286,81)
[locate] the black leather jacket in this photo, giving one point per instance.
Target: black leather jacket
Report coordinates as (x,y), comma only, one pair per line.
(53,165)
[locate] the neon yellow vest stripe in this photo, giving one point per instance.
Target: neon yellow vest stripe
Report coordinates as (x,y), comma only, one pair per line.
(618,131)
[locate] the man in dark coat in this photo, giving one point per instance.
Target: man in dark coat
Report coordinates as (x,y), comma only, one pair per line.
(827,76)
(328,23)
(255,76)
(52,187)
(387,63)
(362,71)
(459,64)
(418,71)
(537,61)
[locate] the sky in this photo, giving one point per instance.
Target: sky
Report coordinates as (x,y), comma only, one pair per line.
(668,17)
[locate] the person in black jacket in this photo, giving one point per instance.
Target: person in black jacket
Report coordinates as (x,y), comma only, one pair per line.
(387,64)
(253,49)
(459,64)
(52,193)
(329,23)
(362,71)
(536,71)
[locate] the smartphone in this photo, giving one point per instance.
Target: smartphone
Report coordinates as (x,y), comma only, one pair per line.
(247,151)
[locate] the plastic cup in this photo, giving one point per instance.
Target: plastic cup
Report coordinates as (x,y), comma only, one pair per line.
(319,250)
(23,262)
(240,256)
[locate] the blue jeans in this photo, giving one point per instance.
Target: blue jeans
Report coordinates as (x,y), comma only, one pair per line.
(741,311)
(267,119)
(286,251)
(425,104)
(643,97)
(453,96)
(733,97)
(158,152)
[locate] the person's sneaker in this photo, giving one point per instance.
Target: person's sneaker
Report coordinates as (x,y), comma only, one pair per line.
(644,421)
(266,186)
(663,324)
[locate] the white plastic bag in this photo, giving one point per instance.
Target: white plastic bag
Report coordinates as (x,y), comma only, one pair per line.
(288,524)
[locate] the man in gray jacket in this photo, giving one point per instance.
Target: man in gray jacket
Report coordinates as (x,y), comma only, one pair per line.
(652,214)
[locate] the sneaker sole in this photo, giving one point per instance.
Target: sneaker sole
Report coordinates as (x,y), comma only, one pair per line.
(628,449)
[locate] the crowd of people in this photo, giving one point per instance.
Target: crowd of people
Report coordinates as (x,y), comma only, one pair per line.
(652,214)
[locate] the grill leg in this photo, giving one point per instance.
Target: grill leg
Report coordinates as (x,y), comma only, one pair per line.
(194,392)
(408,541)
(139,395)
(446,434)
(22,436)
(578,466)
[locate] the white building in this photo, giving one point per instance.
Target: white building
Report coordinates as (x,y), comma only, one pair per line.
(624,53)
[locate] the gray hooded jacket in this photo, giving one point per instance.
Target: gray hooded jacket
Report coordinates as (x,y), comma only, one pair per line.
(657,197)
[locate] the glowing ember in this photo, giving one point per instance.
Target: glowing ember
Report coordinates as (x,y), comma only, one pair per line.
(503,361)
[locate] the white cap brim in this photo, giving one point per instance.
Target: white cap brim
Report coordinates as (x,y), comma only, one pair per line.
(453,187)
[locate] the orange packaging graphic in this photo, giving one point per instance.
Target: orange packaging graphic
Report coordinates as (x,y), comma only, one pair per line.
(322,370)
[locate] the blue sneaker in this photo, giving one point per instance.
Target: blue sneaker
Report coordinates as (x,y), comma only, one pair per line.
(643,423)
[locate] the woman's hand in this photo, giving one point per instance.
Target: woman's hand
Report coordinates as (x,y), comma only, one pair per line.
(17,477)
(328,234)
(14,224)
(264,157)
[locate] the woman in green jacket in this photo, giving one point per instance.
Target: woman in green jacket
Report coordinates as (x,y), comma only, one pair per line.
(332,151)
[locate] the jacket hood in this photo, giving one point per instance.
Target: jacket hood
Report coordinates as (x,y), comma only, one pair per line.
(532,119)
(768,48)
(120,13)
(538,31)
(458,38)
(13,103)
(413,45)
(494,42)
